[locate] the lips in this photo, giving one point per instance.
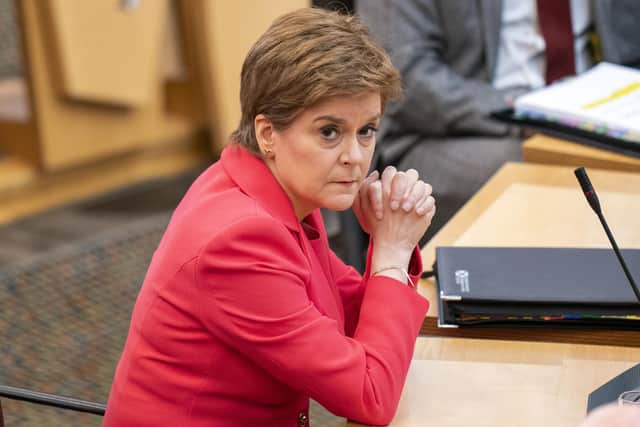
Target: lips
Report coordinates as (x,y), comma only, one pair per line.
(347,181)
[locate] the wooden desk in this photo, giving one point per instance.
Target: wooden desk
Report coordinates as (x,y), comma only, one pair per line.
(549,150)
(538,205)
(465,382)
(459,382)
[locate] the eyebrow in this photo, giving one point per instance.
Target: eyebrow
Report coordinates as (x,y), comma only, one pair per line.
(341,121)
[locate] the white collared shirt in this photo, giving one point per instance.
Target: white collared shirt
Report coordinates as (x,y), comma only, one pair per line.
(521,60)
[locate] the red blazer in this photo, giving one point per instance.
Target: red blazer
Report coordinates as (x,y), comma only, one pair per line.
(245,313)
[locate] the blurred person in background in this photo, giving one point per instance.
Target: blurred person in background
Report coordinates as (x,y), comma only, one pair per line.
(460,60)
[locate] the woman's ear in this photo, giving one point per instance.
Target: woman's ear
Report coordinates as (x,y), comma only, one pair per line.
(264,135)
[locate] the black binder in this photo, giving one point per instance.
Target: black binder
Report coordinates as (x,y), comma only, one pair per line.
(559,130)
(561,286)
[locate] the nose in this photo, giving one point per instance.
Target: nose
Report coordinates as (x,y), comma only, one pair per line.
(352,152)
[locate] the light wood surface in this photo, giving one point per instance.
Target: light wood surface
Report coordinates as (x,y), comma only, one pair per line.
(502,383)
(106,51)
(560,217)
(24,190)
(540,205)
(16,174)
(549,150)
(74,80)
(465,382)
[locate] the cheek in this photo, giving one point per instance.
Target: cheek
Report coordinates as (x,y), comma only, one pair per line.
(369,155)
(307,170)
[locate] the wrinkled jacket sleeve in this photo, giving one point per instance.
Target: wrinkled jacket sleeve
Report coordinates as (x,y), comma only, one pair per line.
(351,284)
(437,101)
(251,287)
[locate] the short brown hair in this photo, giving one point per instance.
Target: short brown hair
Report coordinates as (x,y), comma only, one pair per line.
(306,56)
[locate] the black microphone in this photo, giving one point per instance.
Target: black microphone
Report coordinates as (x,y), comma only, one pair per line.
(592,198)
(589,192)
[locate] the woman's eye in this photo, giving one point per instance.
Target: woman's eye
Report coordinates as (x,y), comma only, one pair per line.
(368,131)
(329,132)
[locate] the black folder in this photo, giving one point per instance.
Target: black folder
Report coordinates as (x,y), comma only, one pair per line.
(562,286)
(559,130)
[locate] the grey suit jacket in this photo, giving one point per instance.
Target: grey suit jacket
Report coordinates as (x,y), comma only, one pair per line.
(446,51)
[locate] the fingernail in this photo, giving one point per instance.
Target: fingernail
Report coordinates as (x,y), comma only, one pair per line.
(394,204)
(420,210)
(407,206)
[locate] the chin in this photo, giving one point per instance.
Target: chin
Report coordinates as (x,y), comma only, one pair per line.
(341,203)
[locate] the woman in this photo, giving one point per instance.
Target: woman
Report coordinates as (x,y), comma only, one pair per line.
(245,313)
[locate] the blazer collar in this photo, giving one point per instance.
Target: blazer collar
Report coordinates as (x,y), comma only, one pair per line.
(255,179)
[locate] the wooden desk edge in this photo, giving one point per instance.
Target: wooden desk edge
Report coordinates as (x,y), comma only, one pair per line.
(566,335)
(548,150)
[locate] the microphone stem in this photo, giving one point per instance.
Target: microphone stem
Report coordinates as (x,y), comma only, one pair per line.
(619,255)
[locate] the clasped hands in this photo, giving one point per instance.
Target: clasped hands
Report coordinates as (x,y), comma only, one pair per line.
(395,208)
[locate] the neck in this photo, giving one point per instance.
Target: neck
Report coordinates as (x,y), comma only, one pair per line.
(300,211)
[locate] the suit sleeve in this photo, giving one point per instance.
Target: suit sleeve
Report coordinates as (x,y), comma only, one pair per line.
(438,101)
(351,284)
(252,290)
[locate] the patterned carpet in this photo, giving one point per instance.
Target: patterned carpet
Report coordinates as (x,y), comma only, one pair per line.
(68,281)
(65,316)
(10,58)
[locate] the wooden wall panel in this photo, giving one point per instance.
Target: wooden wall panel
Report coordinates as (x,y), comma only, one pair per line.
(104,50)
(71,132)
(224,31)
